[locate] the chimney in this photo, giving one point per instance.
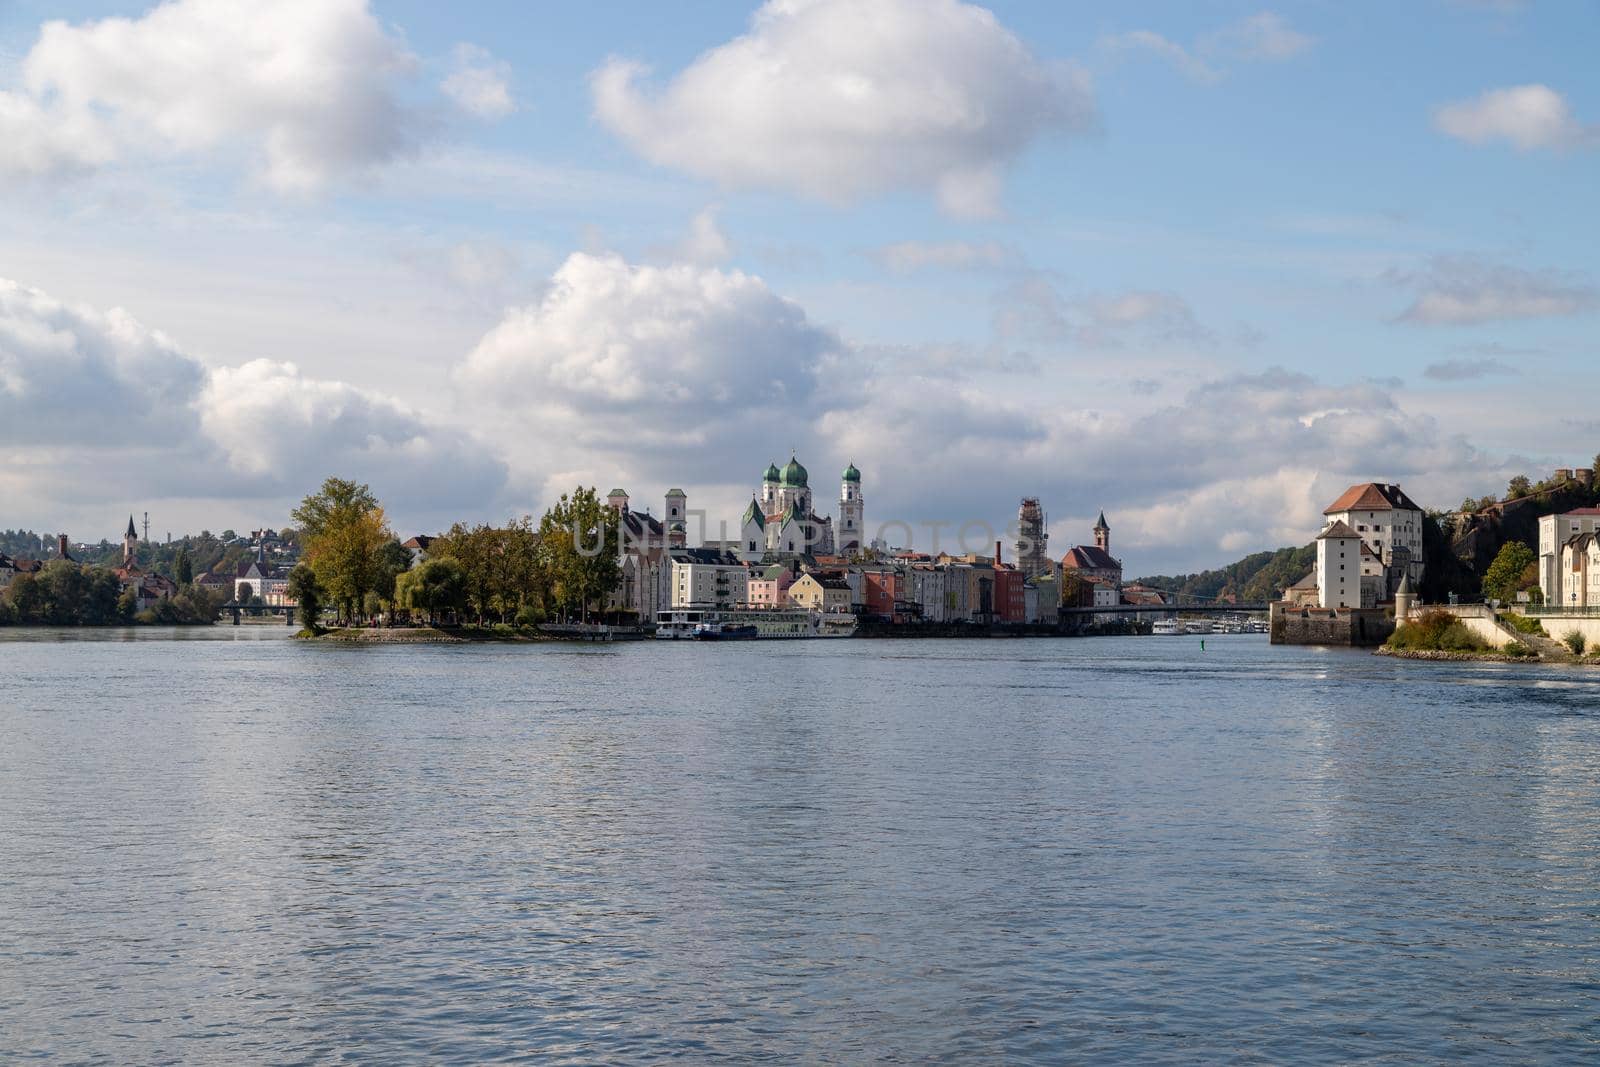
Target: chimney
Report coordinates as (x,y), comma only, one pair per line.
(61,546)
(997,553)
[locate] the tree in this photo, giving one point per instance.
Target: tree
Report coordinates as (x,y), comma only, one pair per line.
(182,568)
(1509,570)
(1518,487)
(344,532)
(436,585)
(579,540)
(303,589)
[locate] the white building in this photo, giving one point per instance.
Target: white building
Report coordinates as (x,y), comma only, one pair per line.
(1339,567)
(1389,523)
(703,578)
(1580,569)
(1555,531)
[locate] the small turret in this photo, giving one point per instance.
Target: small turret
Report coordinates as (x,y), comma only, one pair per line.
(1404,599)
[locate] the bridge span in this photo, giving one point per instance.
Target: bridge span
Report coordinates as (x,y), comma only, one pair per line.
(1248,607)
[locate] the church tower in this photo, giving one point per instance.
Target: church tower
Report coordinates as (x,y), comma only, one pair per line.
(852,524)
(130,545)
(1102,535)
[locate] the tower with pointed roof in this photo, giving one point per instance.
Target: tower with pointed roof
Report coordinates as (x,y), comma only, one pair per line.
(1102,535)
(130,544)
(852,523)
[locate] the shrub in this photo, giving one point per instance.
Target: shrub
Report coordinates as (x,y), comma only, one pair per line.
(1522,623)
(1518,649)
(529,615)
(1575,640)
(1436,630)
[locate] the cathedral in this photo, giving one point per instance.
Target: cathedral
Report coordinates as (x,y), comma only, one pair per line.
(782,520)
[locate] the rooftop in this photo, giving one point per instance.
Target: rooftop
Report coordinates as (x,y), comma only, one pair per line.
(1372,496)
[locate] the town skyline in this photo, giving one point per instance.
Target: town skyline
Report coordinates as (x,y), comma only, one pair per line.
(1200,269)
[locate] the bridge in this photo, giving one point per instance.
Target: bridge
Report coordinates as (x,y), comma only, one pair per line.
(1244,607)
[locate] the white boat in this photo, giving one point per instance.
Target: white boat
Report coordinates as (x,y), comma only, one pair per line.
(777,624)
(1166,628)
(1198,626)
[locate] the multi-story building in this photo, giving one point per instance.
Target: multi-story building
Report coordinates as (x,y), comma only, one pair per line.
(705,578)
(1094,563)
(1389,523)
(1555,577)
(1339,567)
(829,593)
(1580,570)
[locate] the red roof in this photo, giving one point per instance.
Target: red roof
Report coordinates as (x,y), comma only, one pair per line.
(1339,531)
(1582,511)
(1089,557)
(1372,496)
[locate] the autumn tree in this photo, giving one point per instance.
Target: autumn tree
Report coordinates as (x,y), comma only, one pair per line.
(343,533)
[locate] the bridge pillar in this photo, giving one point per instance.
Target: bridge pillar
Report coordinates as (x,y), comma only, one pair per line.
(288,616)
(236,616)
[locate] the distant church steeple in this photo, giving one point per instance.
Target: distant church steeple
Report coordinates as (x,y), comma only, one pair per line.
(1102,534)
(130,544)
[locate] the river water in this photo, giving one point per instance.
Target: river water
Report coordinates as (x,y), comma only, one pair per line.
(226,846)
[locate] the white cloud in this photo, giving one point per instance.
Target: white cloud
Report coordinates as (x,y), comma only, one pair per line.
(1264,37)
(1463,290)
(906,257)
(308,87)
(705,245)
(1526,116)
(1033,310)
(677,344)
(1466,370)
(97,406)
(835,100)
(480,84)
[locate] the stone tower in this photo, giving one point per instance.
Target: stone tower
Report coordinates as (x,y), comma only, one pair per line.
(130,544)
(1033,550)
(852,522)
(1102,535)
(1404,600)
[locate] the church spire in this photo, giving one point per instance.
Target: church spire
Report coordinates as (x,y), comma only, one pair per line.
(132,532)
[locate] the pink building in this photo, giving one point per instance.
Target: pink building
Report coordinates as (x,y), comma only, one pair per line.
(769,588)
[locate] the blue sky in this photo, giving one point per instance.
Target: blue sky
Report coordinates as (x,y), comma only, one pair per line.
(1199,265)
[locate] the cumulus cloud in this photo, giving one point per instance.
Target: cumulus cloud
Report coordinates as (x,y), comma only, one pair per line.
(307,87)
(1463,290)
(1528,117)
(1467,370)
(479,84)
(672,343)
(906,257)
(1263,37)
(127,412)
(835,100)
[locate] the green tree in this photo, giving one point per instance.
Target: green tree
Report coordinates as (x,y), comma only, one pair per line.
(579,539)
(344,532)
(436,585)
(303,589)
(183,568)
(1514,565)
(1518,487)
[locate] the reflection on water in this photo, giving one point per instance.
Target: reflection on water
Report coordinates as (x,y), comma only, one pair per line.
(234,847)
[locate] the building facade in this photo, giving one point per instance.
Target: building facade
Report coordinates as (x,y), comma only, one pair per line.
(1555,531)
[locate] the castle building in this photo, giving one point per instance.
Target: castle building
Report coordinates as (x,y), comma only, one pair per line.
(1389,523)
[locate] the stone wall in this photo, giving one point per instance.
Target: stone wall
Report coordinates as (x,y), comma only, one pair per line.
(1357,627)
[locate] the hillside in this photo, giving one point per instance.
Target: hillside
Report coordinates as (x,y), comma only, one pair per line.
(1458,546)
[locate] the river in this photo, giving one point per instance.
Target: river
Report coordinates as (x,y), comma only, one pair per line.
(227,846)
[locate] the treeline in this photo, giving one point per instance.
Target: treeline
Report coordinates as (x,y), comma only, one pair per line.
(64,593)
(1521,486)
(566,566)
(1259,576)
(25,544)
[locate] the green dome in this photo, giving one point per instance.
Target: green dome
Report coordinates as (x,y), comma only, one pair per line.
(793,475)
(772,473)
(851,474)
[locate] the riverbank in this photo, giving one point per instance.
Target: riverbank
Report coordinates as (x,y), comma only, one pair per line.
(1453,657)
(425,635)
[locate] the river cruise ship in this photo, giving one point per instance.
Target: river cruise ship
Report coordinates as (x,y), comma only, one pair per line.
(687,624)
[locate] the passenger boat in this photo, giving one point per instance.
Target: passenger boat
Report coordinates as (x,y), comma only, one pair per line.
(1166,628)
(1198,626)
(725,631)
(777,624)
